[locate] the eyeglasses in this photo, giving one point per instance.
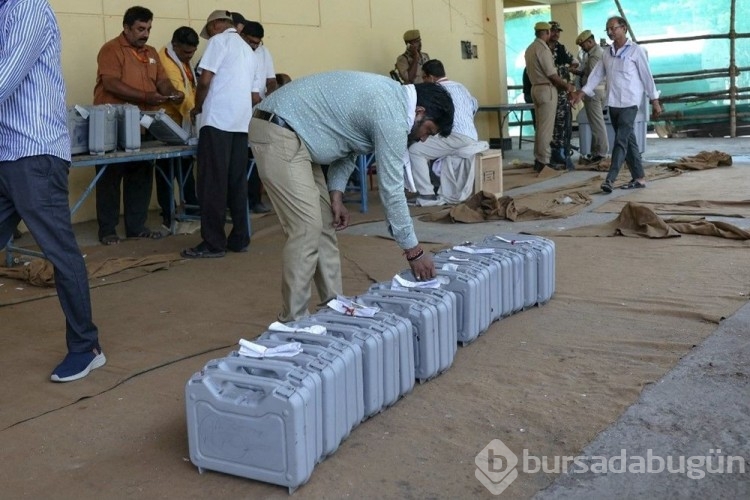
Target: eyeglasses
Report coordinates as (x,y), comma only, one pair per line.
(613,28)
(254,43)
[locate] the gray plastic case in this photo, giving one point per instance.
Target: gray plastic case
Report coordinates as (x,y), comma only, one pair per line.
(164,128)
(447,328)
(277,370)
(349,353)
(388,337)
(446,305)
(472,303)
(425,330)
(129,127)
(404,331)
(102,129)
(332,371)
(545,250)
(529,265)
(78,129)
(250,426)
(486,269)
(371,346)
(513,271)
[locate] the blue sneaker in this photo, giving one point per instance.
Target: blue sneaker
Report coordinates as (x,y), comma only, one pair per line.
(77,365)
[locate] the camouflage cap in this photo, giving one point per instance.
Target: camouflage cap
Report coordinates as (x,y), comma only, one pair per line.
(555,26)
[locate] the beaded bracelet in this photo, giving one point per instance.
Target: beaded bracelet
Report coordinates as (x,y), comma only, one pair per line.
(416,256)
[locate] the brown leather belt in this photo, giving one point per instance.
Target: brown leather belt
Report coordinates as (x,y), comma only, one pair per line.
(273,118)
(537,84)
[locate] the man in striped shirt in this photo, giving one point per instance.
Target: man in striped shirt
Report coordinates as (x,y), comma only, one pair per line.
(34,164)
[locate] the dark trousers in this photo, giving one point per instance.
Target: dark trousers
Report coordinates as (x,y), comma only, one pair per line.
(35,189)
(182,165)
(137,181)
(625,148)
(254,186)
(222,183)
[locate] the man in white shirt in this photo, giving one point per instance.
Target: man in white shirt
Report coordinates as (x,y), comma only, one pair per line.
(253,34)
(265,83)
(625,66)
(464,135)
(223,98)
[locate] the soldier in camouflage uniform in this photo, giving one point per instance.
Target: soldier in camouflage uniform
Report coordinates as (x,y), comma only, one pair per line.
(561,154)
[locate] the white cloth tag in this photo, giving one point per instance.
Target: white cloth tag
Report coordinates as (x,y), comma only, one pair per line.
(253,350)
(461,248)
(513,242)
(449,267)
(347,306)
(281,327)
(399,283)
(453,257)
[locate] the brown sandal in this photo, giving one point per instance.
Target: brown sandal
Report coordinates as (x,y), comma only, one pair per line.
(151,235)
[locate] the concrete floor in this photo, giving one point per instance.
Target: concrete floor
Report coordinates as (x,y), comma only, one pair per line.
(706,397)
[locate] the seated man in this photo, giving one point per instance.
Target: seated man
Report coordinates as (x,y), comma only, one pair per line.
(457,178)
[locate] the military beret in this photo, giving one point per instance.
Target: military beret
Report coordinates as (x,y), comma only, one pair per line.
(542,26)
(585,35)
(411,35)
(555,26)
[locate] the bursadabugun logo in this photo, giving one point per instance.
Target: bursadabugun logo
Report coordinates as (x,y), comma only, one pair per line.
(496,467)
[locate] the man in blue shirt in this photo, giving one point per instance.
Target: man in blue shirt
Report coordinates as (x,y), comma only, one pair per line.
(34,164)
(329,119)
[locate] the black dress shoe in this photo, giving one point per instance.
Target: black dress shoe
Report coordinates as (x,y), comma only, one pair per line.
(202,252)
(259,208)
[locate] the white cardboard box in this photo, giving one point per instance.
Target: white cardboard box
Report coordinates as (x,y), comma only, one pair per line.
(488,172)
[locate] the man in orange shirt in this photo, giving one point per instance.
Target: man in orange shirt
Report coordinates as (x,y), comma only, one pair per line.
(129,72)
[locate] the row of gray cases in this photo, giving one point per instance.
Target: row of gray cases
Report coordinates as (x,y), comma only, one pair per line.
(363,365)
(107,127)
(539,263)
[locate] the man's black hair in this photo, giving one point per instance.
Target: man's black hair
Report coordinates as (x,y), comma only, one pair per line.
(186,36)
(434,67)
(254,29)
(136,13)
(237,18)
(438,106)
